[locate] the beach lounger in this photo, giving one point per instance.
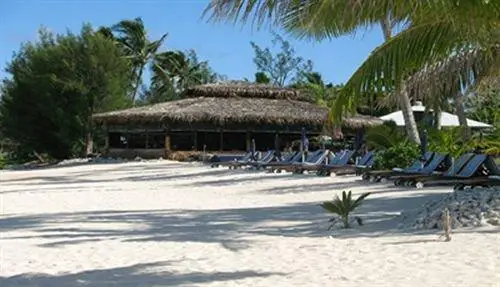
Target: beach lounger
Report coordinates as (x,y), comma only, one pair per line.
(266,159)
(330,158)
(342,166)
(363,167)
(314,163)
(246,157)
(453,170)
(417,165)
(240,163)
(293,157)
(313,158)
(439,163)
(487,175)
(476,172)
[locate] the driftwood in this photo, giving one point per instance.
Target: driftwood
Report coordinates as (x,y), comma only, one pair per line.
(446,225)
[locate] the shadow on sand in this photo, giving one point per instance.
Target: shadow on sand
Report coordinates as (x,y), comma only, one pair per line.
(230,228)
(132,276)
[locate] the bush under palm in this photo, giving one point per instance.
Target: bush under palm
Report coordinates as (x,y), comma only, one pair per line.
(343,207)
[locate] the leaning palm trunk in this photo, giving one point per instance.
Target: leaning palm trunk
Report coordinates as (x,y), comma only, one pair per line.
(410,123)
(89,140)
(437,119)
(401,93)
(137,84)
(462,118)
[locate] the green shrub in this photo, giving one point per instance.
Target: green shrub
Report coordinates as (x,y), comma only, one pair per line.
(3,160)
(384,136)
(449,141)
(401,155)
(342,207)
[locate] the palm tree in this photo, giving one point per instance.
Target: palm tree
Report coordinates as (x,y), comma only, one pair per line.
(435,32)
(133,37)
(320,92)
(180,70)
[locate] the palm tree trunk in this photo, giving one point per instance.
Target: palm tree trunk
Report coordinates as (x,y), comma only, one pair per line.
(89,141)
(462,118)
(345,221)
(402,94)
(409,118)
(137,83)
(437,119)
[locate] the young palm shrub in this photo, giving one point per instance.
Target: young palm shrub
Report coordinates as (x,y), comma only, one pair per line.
(342,207)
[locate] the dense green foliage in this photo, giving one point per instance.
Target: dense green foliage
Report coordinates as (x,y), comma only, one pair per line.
(56,84)
(401,154)
(175,71)
(3,160)
(344,206)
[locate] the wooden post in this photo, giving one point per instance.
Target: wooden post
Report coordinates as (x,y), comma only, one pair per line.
(168,149)
(195,140)
(106,140)
(248,141)
(221,140)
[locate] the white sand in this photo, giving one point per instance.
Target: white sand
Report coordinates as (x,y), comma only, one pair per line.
(175,224)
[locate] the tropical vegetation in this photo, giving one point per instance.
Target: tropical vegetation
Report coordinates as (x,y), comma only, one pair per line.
(343,207)
(443,48)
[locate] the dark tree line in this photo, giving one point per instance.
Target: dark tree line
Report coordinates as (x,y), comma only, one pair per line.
(58,82)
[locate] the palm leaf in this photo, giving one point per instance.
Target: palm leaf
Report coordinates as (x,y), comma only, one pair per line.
(396,60)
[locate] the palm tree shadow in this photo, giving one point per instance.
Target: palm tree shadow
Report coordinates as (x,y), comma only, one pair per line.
(146,274)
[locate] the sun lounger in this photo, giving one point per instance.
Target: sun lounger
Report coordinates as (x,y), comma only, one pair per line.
(246,157)
(345,168)
(293,157)
(341,163)
(477,171)
(366,163)
(243,161)
(439,163)
(453,170)
(417,165)
(266,159)
(314,163)
(314,158)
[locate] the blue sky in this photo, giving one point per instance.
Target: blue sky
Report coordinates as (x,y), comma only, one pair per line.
(225,46)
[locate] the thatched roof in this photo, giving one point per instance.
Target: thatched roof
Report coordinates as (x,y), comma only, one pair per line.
(244,104)
(245,90)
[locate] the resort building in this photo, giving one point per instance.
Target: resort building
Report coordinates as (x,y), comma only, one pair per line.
(219,117)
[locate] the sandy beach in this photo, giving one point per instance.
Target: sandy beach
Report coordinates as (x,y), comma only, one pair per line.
(162,223)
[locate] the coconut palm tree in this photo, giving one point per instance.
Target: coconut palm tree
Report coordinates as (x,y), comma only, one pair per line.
(180,70)
(133,37)
(434,33)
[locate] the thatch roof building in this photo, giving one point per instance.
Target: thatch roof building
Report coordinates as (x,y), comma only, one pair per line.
(229,112)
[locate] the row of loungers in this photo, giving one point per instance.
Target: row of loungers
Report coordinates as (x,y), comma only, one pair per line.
(469,170)
(323,162)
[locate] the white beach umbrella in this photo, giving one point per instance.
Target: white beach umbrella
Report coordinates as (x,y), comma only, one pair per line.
(447,119)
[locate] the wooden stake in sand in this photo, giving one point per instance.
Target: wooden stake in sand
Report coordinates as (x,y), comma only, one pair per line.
(447,225)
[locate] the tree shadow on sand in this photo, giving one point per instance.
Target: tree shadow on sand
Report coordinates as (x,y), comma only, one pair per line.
(154,175)
(231,228)
(148,274)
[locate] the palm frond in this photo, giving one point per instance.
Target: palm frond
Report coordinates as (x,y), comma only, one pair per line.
(396,60)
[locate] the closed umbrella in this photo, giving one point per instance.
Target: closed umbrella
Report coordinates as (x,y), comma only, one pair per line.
(304,144)
(253,149)
(358,142)
(423,146)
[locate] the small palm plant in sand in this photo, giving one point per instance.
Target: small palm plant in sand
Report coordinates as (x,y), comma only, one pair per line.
(343,207)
